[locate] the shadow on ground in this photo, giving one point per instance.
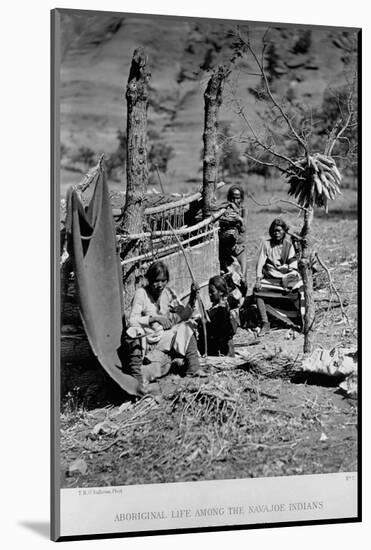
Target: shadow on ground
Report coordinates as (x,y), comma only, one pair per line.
(41,528)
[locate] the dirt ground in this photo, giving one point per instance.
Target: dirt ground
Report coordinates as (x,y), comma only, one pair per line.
(256,416)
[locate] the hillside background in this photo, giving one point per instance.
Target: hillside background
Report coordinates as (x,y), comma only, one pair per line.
(304,64)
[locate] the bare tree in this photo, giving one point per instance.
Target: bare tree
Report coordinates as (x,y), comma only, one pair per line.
(213,98)
(137,93)
(136,166)
(313,176)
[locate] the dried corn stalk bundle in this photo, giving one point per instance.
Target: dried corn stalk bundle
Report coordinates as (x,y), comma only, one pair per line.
(316,180)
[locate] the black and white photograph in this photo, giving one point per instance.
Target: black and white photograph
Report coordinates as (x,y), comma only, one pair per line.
(206,225)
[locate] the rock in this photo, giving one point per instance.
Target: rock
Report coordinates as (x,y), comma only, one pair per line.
(78,465)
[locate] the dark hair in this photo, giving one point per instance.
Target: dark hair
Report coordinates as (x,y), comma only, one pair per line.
(156,269)
(278,222)
(235,188)
(219,284)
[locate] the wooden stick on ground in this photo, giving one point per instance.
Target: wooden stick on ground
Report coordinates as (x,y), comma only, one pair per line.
(159,178)
(199,300)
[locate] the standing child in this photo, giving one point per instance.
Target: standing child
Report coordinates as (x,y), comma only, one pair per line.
(232,234)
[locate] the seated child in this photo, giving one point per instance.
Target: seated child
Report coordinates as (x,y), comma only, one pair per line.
(220,326)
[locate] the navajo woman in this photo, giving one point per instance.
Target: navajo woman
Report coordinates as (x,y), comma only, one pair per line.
(158,329)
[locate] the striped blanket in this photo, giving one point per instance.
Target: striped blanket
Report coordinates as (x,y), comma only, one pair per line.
(286,305)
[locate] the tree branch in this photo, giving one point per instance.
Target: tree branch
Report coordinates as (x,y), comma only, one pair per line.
(332,286)
(269,92)
(294,204)
(259,141)
(337,137)
(272,164)
(270,203)
(276,201)
(334,137)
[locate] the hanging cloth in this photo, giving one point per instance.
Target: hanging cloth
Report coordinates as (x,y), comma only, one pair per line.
(92,245)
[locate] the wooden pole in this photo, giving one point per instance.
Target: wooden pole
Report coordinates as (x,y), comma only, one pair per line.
(199,300)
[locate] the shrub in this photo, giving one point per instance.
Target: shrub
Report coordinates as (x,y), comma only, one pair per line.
(159,155)
(230,161)
(159,152)
(63,150)
(304,42)
(272,60)
(117,160)
(85,155)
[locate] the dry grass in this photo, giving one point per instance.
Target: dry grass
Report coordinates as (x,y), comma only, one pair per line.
(243,422)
